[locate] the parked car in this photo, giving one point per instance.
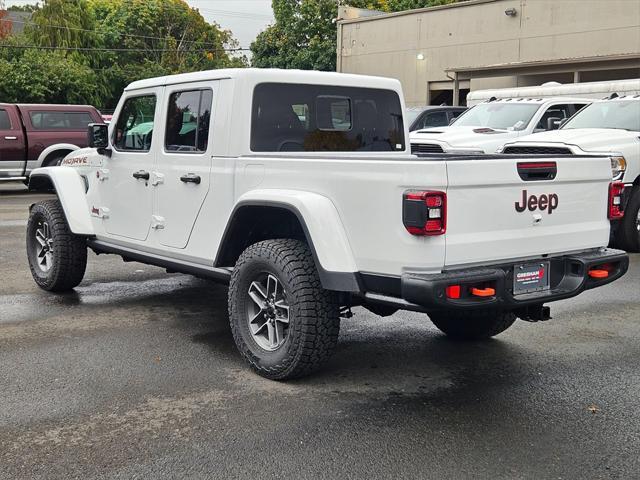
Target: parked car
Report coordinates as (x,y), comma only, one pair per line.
(431,116)
(487,126)
(305,219)
(607,127)
(33,136)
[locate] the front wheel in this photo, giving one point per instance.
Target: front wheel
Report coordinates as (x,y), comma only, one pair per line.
(283,322)
(57,257)
(473,324)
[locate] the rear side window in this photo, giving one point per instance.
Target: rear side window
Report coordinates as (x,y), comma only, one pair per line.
(5,123)
(134,128)
(320,118)
(60,120)
(188,119)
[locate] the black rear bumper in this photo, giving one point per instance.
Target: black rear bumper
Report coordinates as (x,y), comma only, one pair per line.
(569,276)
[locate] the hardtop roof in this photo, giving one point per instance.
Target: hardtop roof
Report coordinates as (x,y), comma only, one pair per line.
(259,75)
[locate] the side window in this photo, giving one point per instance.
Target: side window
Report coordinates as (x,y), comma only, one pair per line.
(188,119)
(333,113)
(555,111)
(302,112)
(60,120)
(5,123)
(453,116)
(435,119)
(134,128)
(78,120)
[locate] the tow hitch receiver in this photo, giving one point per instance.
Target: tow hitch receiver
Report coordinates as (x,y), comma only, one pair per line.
(534,313)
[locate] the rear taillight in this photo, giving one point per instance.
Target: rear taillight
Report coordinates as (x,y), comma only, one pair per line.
(424,212)
(616,209)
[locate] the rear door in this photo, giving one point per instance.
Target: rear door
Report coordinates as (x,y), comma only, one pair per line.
(498,210)
(183,160)
(12,147)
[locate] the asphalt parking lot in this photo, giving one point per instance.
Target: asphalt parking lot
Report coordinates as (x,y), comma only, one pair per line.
(135,375)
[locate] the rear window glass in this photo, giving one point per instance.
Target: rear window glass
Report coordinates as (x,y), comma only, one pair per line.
(60,120)
(319,118)
(5,124)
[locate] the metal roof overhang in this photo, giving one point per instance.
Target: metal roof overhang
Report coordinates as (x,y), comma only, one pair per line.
(581,64)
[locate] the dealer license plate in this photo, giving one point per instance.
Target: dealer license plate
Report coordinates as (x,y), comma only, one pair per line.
(530,277)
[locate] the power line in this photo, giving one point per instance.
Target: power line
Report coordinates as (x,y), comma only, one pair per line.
(99,49)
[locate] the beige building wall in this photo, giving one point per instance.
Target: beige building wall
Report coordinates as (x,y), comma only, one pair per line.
(419,46)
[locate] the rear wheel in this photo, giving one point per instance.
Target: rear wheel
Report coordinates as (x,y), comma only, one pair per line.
(284,323)
(629,229)
(57,257)
(473,324)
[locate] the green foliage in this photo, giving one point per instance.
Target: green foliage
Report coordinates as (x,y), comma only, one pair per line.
(398,5)
(30,7)
(304,33)
(108,44)
(38,76)
(74,16)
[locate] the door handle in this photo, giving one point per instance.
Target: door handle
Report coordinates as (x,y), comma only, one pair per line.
(190,178)
(10,138)
(141,175)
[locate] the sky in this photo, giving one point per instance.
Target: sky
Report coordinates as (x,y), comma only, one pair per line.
(245,18)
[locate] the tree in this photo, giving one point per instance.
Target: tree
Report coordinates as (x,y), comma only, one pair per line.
(304,33)
(29,7)
(38,76)
(159,37)
(399,5)
(63,23)
(107,44)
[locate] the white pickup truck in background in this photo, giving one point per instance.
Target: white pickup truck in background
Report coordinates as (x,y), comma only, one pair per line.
(606,127)
(487,126)
(299,190)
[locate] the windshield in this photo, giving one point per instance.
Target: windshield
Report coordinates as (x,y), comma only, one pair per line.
(623,114)
(508,116)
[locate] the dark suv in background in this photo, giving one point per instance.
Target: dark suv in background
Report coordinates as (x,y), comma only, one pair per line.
(431,116)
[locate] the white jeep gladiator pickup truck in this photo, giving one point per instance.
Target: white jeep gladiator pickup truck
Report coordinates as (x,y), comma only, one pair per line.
(299,190)
(487,126)
(606,127)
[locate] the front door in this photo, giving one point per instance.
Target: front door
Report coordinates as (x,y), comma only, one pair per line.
(12,148)
(126,194)
(184,160)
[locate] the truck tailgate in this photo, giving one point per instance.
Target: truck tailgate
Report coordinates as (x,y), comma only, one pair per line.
(509,208)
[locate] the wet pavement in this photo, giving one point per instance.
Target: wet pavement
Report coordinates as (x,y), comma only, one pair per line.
(135,375)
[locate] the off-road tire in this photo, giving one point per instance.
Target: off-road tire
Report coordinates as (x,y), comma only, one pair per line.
(473,324)
(68,252)
(628,233)
(314,321)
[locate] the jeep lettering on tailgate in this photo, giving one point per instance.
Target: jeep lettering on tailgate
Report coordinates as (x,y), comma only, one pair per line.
(543,202)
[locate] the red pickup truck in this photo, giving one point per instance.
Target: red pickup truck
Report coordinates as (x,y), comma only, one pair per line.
(33,136)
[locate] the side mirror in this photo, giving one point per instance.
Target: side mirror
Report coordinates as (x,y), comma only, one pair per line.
(452,120)
(563,121)
(98,136)
(553,123)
